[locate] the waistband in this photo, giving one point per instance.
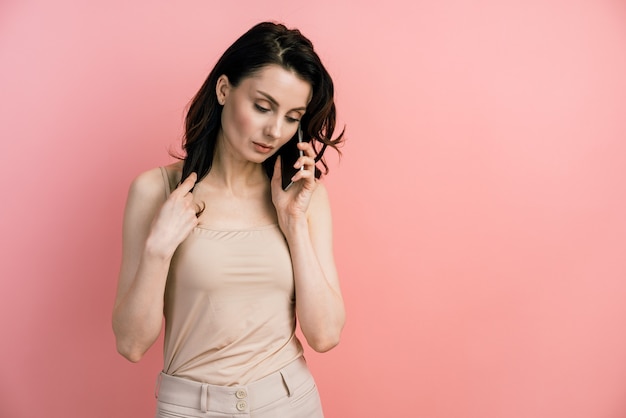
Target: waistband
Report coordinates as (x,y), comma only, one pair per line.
(233,399)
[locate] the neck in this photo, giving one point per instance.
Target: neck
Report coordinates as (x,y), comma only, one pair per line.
(230,171)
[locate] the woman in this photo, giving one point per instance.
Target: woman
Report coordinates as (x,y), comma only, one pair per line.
(217,246)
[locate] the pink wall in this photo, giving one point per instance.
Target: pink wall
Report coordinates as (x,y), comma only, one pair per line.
(480,206)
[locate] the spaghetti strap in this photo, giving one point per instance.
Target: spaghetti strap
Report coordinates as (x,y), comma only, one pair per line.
(166,180)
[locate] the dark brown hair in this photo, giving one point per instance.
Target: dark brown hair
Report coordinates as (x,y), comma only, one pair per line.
(265,44)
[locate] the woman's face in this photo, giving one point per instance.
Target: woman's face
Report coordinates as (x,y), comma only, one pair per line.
(262,113)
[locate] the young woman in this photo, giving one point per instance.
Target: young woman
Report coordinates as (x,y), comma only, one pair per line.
(216,245)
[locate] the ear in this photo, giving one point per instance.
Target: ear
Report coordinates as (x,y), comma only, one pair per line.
(222,88)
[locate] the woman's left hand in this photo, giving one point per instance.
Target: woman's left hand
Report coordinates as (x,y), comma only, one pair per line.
(291,205)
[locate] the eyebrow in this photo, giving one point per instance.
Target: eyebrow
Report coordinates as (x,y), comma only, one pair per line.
(271,99)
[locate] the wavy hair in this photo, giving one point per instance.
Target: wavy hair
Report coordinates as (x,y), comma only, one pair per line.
(264,44)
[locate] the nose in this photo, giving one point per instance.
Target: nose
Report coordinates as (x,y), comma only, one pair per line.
(274,127)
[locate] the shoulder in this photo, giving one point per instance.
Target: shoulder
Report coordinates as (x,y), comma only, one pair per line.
(320,222)
(320,202)
(321,193)
(150,185)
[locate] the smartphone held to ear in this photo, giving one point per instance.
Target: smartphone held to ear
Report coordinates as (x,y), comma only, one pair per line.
(289,154)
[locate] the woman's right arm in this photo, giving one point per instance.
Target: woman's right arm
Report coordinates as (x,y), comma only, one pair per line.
(152,230)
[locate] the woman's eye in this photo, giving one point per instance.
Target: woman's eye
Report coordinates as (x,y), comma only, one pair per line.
(292,120)
(261,108)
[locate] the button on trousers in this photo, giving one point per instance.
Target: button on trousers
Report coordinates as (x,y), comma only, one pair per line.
(288,393)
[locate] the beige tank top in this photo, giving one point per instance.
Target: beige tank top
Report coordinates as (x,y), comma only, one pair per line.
(230,306)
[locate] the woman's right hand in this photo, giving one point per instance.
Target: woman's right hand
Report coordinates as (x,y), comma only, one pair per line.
(175,220)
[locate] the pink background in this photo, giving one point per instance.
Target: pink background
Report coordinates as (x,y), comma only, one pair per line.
(480,206)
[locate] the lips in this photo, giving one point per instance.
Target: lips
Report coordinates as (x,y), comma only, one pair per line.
(262,148)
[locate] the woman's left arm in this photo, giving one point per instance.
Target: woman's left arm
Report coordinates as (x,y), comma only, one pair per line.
(319,303)
(305,219)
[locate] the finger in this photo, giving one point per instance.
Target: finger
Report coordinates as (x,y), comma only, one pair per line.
(307,148)
(188,200)
(307,162)
(277,168)
(184,187)
(307,175)
(198,208)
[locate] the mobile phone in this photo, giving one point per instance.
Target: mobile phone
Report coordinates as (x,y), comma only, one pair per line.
(289,154)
